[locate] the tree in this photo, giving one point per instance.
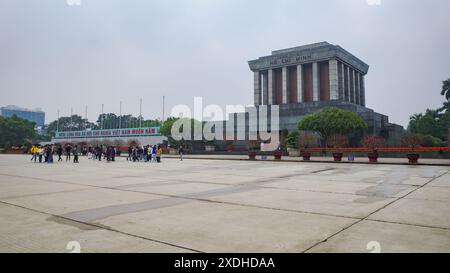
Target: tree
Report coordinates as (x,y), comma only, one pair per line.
(308,140)
(166,127)
(73,123)
(166,130)
(431,123)
(292,140)
(373,142)
(412,140)
(446,89)
(431,141)
(284,134)
(112,121)
(332,120)
(104,121)
(337,141)
(15,131)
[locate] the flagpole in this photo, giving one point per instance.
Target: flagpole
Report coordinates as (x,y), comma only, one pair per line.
(101,122)
(163,117)
(57,122)
(120,116)
(140,113)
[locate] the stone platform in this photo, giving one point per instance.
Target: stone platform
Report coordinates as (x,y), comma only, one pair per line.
(222,206)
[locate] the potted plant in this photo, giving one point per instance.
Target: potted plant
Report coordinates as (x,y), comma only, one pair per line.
(283,136)
(373,142)
(252,145)
(292,143)
(305,141)
(229,146)
(278,153)
(337,141)
(412,141)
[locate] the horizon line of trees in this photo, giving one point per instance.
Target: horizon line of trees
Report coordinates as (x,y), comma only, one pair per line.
(104,121)
(433,126)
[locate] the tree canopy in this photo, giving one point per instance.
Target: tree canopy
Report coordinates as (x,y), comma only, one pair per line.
(332,120)
(434,124)
(15,131)
(431,123)
(446,89)
(105,121)
(73,123)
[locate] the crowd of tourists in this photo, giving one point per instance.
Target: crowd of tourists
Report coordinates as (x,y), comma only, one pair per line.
(136,153)
(45,153)
(146,153)
(105,152)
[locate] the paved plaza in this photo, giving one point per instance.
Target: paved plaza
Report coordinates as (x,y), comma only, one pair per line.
(201,205)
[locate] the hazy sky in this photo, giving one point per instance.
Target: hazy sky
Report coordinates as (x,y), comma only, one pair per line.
(57,56)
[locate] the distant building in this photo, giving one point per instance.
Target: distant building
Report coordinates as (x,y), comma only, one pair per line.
(35,115)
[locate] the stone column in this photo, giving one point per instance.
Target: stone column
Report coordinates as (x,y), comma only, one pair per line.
(315,76)
(285,83)
(354,85)
(270,85)
(265,88)
(357,88)
(334,81)
(299,83)
(348,84)
(341,81)
(362,91)
(257,88)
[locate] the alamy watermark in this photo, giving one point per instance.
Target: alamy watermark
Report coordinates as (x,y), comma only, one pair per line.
(74,247)
(373,2)
(210,122)
(73,2)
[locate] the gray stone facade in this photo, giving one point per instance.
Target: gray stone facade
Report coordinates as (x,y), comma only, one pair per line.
(330,65)
(345,76)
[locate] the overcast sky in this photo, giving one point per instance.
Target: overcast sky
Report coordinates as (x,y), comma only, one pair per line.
(57,56)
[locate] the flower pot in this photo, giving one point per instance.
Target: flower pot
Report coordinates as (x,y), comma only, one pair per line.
(413,158)
(306,156)
(277,155)
(252,155)
(338,156)
(229,148)
(373,157)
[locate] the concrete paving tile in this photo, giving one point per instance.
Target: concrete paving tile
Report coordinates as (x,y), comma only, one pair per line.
(431,193)
(316,202)
(29,231)
(220,227)
(416,212)
(391,238)
(337,186)
(65,202)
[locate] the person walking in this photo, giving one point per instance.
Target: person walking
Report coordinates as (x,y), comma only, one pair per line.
(158,154)
(33,152)
(75,154)
(68,152)
(181,152)
(146,153)
(59,152)
(99,152)
(40,153)
(108,153)
(46,152)
(154,153)
(130,153)
(50,150)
